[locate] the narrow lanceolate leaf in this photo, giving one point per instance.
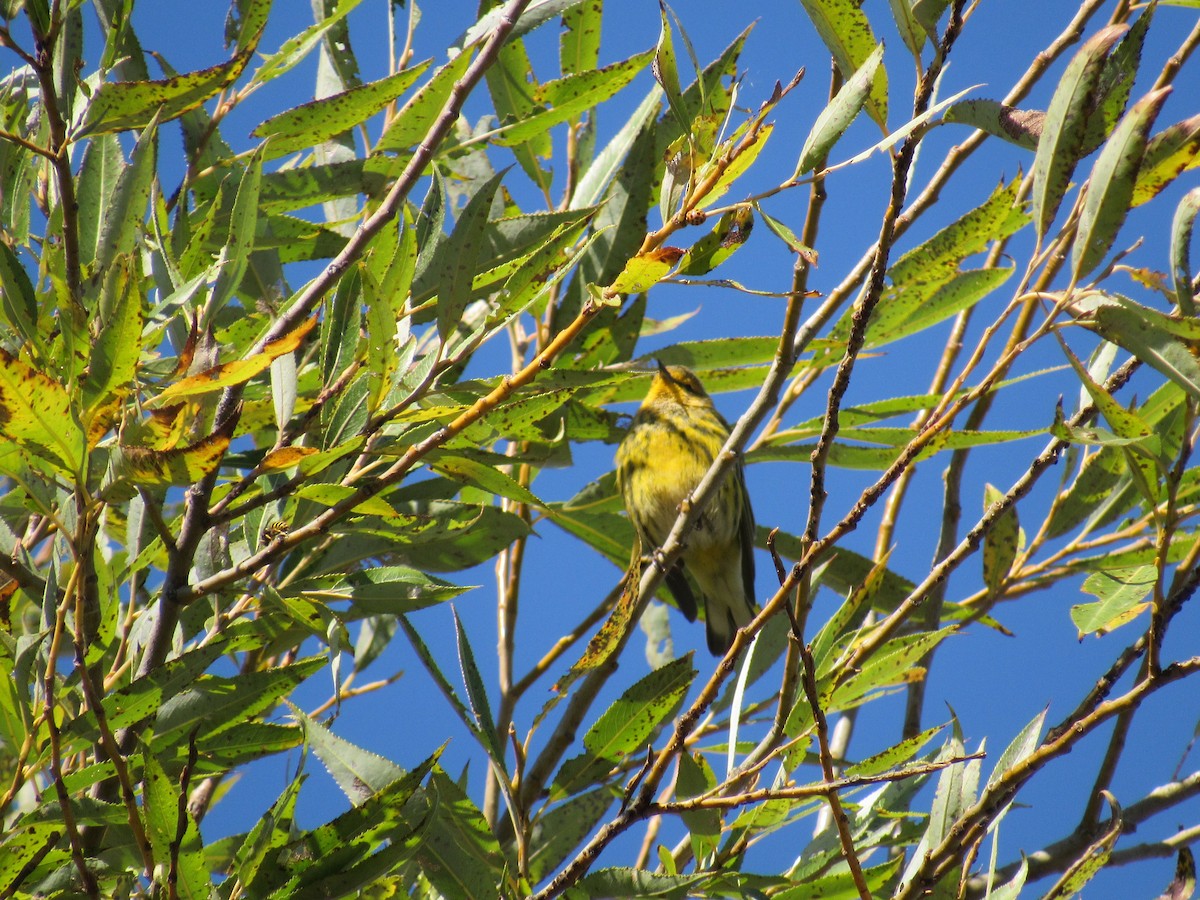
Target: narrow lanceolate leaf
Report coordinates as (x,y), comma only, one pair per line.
(567,98)
(235,255)
(116,349)
(937,260)
(1168,154)
(308,124)
(894,756)
(908,26)
(126,210)
(666,71)
(626,725)
(17,297)
(579,42)
(161,808)
(835,118)
(1022,127)
(423,107)
(1181,240)
(462,256)
(126,105)
(1116,82)
(485,724)
(1019,748)
(730,233)
(927,13)
(177,466)
(609,161)
(1066,125)
(103,163)
(1002,541)
(213,704)
(511,82)
(358,772)
(915,311)
(238,372)
(1110,187)
(297,47)
(1149,338)
(844,28)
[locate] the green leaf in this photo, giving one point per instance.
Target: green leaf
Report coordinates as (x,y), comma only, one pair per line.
(844,28)
(626,725)
(235,255)
(727,237)
(1122,595)
(567,98)
(937,260)
(579,40)
(666,72)
(835,118)
(163,810)
(358,772)
(484,476)
(17,296)
(126,210)
(260,857)
(1149,338)
(296,48)
(1022,127)
(36,411)
(1168,154)
(1065,126)
(695,778)
(117,346)
(511,82)
(459,853)
(897,662)
(1181,240)
(485,724)
(212,704)
(99,175)
(1109,190)
(557,833)
(22,846)
(129,105)
(894,756)
(612,160)
(308,124)
(422,109)
(927,13)
(1001,542)
(461,258)
(624,882)
(906,312)
(385,590)
(1019,748)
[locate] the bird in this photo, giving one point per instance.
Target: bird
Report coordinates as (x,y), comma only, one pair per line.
(675,436)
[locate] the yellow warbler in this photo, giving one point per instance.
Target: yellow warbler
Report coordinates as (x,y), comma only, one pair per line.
(674,438)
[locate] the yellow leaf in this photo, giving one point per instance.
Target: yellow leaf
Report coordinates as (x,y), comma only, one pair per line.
(178,466)
(285,457)
(238,372)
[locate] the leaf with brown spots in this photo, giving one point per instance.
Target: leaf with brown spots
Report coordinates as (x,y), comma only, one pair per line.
(35,413)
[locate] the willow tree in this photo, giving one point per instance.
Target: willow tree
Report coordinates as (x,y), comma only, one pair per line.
(262,397)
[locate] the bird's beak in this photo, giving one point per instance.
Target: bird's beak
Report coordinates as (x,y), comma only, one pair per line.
(662,371)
